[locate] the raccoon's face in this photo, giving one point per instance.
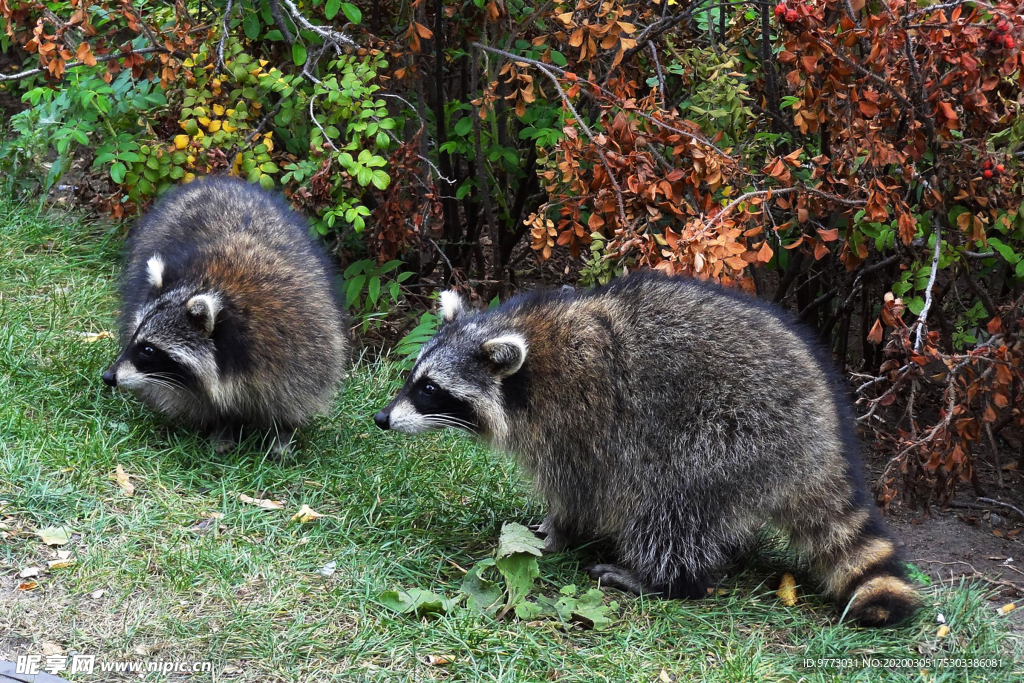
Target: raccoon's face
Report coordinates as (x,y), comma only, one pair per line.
(170,352)
(458,378)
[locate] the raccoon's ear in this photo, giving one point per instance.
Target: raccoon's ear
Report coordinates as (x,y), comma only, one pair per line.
(155,271)
(506,352)
(451,306)
(203,309)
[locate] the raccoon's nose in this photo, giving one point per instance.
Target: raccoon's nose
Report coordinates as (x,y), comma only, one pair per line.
(110,378)
(382,419)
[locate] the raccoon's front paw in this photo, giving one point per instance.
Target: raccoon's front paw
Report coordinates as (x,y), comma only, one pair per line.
(546,531)
(616,577)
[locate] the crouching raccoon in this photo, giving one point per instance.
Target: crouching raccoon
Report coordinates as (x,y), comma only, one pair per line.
(674,419)
(230,317)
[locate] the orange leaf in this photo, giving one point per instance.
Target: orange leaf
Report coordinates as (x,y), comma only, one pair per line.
(765,253)
(875,335)
(423,31)
(829,235)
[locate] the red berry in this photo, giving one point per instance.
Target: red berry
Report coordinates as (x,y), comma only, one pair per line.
(988,174)
(1003,26)
(987,163)
(1000,168)
(791,15)
(780,9)
(1008,42)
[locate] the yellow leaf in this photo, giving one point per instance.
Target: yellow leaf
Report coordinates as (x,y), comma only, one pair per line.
(181,141)
(123,482)
(942,632)
(787,590)
(204,120)
(218,110)
(214,126)
(228,128)
(305,515)
(62,564)
(1007,608)
(265,503)
(93,337)
(189,177)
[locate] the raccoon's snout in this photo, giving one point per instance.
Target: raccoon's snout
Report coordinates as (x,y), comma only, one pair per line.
(383,419)
(110,376)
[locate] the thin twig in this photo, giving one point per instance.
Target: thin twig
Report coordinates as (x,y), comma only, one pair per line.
(923,319)
(225,27)
(71,65)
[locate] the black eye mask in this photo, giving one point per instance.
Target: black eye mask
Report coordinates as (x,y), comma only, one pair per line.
(151,360)
(430,399)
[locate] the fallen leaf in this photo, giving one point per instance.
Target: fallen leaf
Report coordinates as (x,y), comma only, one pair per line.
(28,586)
(29,572)
(328,569)
(55,535)
(787,590)
(123,482)
(665,677)
(62,564)
(50,649)
(97,594)
(93,337)
(305,515)
(942,632)
(437,660)
(265,503)
(1007,608)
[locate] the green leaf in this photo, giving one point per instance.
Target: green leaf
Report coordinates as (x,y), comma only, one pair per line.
(1005,250)
(355,286)
(331,8)
(298,53)
(269,167)
(251,25)
(590,612)
(516,539)
(463,126)
(516,559)
(117,172)
(373,291)
(484,595)
(380,180)
(415,601)
(352,12)
(915,305)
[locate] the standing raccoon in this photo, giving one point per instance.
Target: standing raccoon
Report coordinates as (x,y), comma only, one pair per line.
(230,318)
(672,418)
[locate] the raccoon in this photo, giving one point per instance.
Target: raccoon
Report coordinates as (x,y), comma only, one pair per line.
(672,418)
(230,318)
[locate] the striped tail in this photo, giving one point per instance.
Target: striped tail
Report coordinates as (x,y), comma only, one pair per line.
(869,579)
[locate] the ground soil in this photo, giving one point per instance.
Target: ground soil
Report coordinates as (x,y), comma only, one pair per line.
(970,540)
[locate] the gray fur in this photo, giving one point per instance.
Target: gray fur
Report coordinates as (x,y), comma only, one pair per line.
(673,418)
(224,278)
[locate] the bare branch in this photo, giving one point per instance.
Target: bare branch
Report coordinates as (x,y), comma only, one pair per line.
(71,65)
(923,318)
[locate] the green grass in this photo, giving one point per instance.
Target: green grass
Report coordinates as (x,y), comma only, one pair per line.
(400,512)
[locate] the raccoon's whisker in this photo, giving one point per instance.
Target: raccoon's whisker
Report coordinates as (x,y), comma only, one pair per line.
(450,421)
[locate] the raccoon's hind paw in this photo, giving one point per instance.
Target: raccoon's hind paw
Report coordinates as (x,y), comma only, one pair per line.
(281,448)
(554,541)
(616,577)
(224,441)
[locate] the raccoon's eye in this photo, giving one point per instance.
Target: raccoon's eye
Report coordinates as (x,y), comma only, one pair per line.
(147,351)
(429,389)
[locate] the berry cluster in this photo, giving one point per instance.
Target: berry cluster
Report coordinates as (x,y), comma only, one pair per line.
(786,13)
(1000,36)
(990,170)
